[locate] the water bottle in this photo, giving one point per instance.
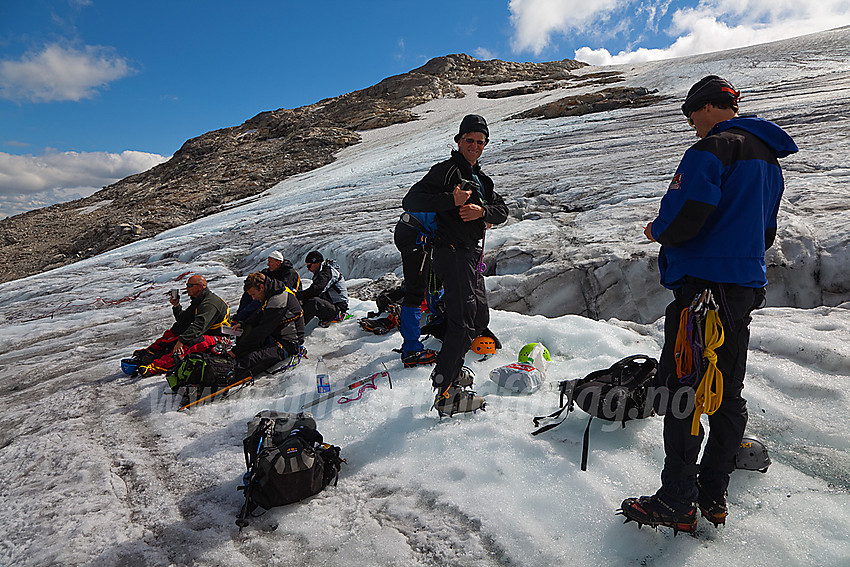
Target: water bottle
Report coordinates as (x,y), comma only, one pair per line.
(323,381)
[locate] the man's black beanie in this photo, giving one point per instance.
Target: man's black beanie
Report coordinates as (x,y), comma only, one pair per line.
(472,123)
(314,257)
(707,90)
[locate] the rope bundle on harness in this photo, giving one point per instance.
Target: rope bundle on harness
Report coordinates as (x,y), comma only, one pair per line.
(700,335)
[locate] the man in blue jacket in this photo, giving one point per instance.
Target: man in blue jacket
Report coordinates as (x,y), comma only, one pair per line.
(465,203)
(715,222)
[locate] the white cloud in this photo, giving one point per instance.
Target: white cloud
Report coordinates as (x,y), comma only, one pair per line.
(483,54)
(536,20)
(712,25)
(60,73)
(28,182)
(715,25)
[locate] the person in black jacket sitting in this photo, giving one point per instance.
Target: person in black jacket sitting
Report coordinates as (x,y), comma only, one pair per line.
(277,331)
(327,296)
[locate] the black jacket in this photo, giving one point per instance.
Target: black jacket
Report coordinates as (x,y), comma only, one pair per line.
(205,315)
(250,309)
(329,285)
(433,193)
(285,273)
(279,320)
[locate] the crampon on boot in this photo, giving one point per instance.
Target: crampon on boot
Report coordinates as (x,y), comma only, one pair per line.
(426,356)
(654,512)
(465,378)
(458,400)
(713,508)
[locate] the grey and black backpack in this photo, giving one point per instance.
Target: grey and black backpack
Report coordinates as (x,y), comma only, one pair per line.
(287,461)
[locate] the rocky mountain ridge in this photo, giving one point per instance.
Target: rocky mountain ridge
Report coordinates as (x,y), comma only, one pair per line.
(210,172)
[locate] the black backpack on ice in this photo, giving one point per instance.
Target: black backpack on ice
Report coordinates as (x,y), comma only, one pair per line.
(287,461)
(619,393)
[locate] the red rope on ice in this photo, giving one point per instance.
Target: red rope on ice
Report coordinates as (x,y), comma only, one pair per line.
(97,300)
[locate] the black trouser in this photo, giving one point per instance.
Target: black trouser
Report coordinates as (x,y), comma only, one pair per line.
(321,308)
(467,312)
(414,262)
(727,424)
(258,360)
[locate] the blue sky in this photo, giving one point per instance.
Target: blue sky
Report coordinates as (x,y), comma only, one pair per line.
(92,91)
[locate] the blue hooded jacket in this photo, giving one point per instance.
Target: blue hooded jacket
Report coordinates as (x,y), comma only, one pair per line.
(719,213)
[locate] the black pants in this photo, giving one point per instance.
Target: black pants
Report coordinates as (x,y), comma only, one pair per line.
(414,262)
(258,360)
(727,424)
(321,308)
(467,312)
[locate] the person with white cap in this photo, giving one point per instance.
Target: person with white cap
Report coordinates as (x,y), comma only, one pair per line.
(279,269)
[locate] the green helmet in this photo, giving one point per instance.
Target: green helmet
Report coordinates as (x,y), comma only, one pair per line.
(525,353)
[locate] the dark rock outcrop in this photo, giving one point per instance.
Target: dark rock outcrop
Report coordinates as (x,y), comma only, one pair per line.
(606,99)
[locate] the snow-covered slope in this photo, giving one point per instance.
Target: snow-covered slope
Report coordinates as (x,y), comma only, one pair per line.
(99,469)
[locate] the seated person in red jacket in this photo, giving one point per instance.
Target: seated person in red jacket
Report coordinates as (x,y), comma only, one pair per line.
(196,329)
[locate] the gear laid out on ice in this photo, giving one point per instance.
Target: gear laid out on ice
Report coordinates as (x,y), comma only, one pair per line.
(527,353)
(752,455)
(483,346)
(364,384)
(653,511)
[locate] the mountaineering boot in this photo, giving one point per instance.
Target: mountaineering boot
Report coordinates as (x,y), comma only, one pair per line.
(145,370)
(149,370)
(654,511)
(144,356)
(337,319)
(465,377)
(425,356)
(457,400)
(712,507)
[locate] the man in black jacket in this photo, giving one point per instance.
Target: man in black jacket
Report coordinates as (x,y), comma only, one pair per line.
(466,204)
(327,296)
(277,332)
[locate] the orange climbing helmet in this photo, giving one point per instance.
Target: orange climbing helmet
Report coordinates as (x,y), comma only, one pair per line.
(483,345)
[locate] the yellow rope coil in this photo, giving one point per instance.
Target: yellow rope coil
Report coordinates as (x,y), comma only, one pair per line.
(709,393)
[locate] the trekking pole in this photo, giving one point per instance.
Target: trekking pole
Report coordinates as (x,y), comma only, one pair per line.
(214,394)
(241,519)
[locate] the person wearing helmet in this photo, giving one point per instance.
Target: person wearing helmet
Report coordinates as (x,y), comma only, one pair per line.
(465,203)
(714,225)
